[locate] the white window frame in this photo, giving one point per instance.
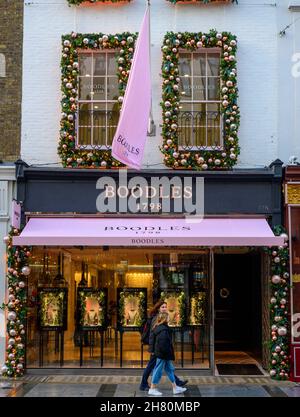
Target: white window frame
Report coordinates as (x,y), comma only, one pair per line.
(91,146)
(202,51)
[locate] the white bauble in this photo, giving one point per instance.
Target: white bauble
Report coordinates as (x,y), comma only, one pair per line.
(285,236)
(276,279)
(4,369)
(26,270)
(11,316)
(282,331)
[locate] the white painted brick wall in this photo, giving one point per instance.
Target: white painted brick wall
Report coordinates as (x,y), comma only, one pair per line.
(256,27)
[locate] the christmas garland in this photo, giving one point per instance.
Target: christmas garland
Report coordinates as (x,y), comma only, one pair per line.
(17,271)
(203,1)
(180,295)
(200,159)
(77,2)
(72,156)
(279,344)
(142,307)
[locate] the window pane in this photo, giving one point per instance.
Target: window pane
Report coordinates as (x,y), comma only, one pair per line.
(200,135)
(100,64)
(185,134)
(213,65)
(199,64)
(186,87)
(111,130)
(213,136)
(84,114)
(185,107)
(99,115)
(185,64)
(85,88)
(99,136)
(111,64)
(213,114)
(113,113)
(84,137)
(185,118)
(213,89)
(199,88)
(199,114)
(85,64)
(112,88)
(99,88)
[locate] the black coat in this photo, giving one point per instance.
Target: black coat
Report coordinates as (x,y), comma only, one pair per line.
(160,342)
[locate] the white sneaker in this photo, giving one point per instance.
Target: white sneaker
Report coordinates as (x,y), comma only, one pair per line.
(154,391)
(179,390)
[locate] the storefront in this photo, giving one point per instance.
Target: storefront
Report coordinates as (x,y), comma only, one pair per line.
(292,224)
(95,276)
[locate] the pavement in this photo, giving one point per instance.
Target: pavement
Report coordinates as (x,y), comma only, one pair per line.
(128,386)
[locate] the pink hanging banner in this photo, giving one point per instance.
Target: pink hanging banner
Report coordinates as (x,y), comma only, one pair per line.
(130,138)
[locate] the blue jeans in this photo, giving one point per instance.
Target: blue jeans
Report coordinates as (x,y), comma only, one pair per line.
(162,364)
(149,368)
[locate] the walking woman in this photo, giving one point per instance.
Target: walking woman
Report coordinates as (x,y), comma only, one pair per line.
(159,307)
(161,343)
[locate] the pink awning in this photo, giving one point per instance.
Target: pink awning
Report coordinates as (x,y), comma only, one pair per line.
(147,232)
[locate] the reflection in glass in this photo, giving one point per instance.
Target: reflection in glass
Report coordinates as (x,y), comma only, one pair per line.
(111,64)
(99,64)
(85,88)
(186,87)
(85,64)
(112,88)
(213,89)
(184,65)
(199,63)
(199,88)
(99,88)
(213,65)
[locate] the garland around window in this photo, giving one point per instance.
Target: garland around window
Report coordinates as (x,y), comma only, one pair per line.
(71,155)
(201,159)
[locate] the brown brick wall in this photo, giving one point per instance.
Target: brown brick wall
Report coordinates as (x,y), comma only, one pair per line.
(11,37)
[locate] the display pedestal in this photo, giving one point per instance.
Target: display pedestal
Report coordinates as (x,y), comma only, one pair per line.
(59,345)
(181,330)
(123,330)
(192,328)
(91,333)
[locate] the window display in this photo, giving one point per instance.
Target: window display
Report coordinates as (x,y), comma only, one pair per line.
(175,300)
(52,308)
(197,308)
(132,307)
(109,293)
(92,308)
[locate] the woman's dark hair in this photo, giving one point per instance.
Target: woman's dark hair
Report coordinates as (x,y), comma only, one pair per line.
(156,307)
